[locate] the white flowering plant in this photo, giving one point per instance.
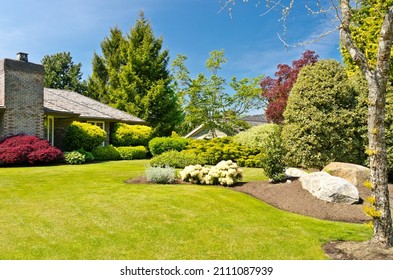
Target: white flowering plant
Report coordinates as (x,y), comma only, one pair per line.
(225,173)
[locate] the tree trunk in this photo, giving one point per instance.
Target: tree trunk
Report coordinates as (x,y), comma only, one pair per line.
(382,220)
(377,77)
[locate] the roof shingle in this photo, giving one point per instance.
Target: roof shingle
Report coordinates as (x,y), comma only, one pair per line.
(66,102)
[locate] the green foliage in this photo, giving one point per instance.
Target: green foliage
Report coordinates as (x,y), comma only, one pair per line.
(62,73)
(160,145)
(365,30)
(251,160)
(130,135)
(256,136)
(207,101)
(321,124)
(175,159)
(106,153)
(160,175)
(74,157)
(88,155)
(218,149)
(83,136)
(132,76)
(273,161)
(128,153)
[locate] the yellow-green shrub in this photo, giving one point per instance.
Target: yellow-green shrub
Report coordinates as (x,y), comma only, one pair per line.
(130,135)
(83,136)
(138,152)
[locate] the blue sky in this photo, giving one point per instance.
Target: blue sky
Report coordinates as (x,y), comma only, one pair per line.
(190,27)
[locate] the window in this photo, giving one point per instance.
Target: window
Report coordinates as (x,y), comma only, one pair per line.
(49,125)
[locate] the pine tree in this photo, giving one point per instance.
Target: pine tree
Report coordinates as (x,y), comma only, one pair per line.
(132,76)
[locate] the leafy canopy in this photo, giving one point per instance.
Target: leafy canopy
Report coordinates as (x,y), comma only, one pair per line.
(276,90)
(206,100)
(62,73)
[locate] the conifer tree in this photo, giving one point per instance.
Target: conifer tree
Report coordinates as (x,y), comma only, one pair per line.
(132,76)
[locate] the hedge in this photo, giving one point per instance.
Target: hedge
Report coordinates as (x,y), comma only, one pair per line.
(83,136)
(130,135)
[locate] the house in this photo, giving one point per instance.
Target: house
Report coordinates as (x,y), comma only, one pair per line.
(27,107)
(255,120)
(202,132)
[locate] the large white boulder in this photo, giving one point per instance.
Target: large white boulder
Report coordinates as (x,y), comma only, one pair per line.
(353,173)
(330,188)
(294,172)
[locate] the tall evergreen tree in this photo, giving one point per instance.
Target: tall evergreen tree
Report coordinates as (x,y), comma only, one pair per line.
(62,73)
(106,68)
(132,76)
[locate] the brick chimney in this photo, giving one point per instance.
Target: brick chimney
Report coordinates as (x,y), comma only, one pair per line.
(21,56)
(21,97)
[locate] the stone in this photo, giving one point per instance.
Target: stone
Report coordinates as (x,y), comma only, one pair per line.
(294,172)
(330,188)
(353,173)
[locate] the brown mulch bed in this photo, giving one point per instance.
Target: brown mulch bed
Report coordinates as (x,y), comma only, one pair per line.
(293,198)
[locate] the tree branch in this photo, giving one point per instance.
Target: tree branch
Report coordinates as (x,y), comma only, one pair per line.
(385,44)
(346,39)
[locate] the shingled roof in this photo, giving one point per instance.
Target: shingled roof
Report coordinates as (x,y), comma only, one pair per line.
(255,119)
(70,103)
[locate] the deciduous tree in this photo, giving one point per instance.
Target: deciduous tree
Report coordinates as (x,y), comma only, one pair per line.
(276,90)
(206,98)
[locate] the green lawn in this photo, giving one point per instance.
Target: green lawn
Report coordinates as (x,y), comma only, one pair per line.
(88,212)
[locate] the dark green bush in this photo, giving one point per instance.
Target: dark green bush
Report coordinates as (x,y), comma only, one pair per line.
(160,145)
(128,153)
(88,155)
(131,135)
(272,161)
(106,153)
(175,159)
(83,136)
(320,120)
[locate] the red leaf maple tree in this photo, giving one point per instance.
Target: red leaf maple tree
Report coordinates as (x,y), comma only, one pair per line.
(276,90)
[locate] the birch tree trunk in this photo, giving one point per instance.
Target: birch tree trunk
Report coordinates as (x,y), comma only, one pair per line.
(377,77)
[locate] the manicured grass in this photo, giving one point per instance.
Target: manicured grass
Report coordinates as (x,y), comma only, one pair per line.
(88,212)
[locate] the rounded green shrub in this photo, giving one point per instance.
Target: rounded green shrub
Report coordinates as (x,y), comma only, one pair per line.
(130,135)
(256,136)
(88,155)
(83,136)
(215,150)
(128,153)
(175,159)
(74,157)
(320,121)
(106,153)
(160,145)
